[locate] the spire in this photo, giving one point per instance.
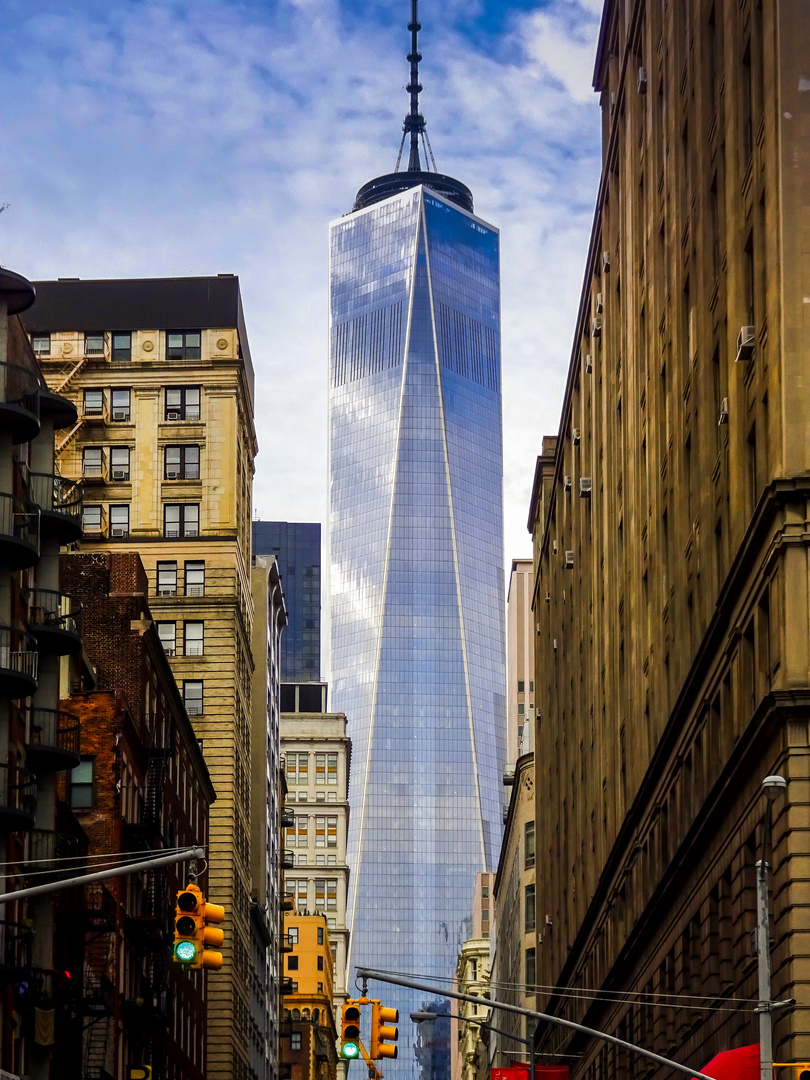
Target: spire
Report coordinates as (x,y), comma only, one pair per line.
(414,121)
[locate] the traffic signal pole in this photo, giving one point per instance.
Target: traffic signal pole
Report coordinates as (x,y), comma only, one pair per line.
(185,855)
(384,976)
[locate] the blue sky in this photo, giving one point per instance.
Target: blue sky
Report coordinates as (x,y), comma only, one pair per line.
(171,137)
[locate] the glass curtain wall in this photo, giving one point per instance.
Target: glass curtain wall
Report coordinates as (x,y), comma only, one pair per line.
(417,579)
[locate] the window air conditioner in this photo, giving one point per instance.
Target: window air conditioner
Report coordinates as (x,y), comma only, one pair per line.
(588,364)
(568,560)
(642,80)
(598,304)
(585,487)
(722,416)
(596,327)
(120,414)
(553,547)
(120,474)
(576,436)
(566,483)
(167,590)
(745,345)
(172,474)
(119,530)
(605,262)
(172,416)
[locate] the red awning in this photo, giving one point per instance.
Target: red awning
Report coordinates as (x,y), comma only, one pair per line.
(740,1064)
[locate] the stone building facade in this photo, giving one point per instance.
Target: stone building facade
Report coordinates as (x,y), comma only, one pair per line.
(671,547)
(520,638)
(161,375)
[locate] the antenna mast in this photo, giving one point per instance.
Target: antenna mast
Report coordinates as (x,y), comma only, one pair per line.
(414,121)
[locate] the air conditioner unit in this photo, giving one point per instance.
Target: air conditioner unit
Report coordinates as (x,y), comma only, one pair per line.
(195,590)
(588,364)
(596,328)
(120,474)
(553,547)
(605,262)
(598,304)
(191,532)
(172,416)
(585,487)
(119,530)
(172,474)
(568,560)
(642,80)
(745,345)
(722,416)
(576,436)
(167,590)
(120,414)
(566,483)
(554,644)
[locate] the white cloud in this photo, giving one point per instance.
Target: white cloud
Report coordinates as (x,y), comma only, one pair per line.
(170,137)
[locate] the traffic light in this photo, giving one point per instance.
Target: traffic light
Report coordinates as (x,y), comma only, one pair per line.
(350,1031)
(193,932)
(797,1070)
(139,1072)
(383,1034)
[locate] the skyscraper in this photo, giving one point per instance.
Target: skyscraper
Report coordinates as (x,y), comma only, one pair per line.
(417,583)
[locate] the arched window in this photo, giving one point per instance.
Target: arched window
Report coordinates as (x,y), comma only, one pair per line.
(286,1014)
(316,1015)
(305,1014)
(296,1014)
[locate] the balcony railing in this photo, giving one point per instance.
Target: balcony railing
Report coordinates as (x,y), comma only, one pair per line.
(54,740)
(60,501)
(15,945)
(19,532)
(18,798)
(95,469)
(19,401)
(18,663)
(55,621)
(96,410)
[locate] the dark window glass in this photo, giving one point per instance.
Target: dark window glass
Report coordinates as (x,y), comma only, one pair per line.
(119,521)
(320,937)
(119,463)
(520,686)
(182,403)
(181,519)
(292,963)
(531,972)
(183,344)
(121,408)
(193,638)
(166,578)
(81,785)
(181,463)
(528,908)
(122,345)
(193,696)
(41,344)
(167,632)
(528,845)
(320,961)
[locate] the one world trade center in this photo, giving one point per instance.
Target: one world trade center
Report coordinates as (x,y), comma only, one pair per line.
(416,567)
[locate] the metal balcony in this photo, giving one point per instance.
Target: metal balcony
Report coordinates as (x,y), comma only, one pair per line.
(55,621)
(53,741)
(46,850)
(60,410)
(100,907)
(18,799)
(19,532)
(287,860)
(18,663)
(19,402)
(60,503)
(287,818)
(15,951)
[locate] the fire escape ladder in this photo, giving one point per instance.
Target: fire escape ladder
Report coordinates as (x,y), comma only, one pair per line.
(73,371)
(60,446)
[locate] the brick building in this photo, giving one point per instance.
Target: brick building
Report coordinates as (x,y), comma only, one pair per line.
(142,785)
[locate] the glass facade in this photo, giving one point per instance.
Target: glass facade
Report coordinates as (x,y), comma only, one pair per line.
(297,547)
(417,580)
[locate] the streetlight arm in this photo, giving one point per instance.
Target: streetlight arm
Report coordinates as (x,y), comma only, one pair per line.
(383,976)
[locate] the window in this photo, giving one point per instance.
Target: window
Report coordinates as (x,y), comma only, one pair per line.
(528,845)
(320,958)
(121,345)
(183,403)
(181,463)
(320,988)
(119,462)
(183,344)
(292,963)
(92,461)
(41,344)
(94,344)
(331,796)
(521,709)
(320,832)
(295,1040)
(531,973)
(521,684)
(167,578)
(528,908)
(331,894)
(320,768)
(320,860)
(81,785)
(94,403)
(331,770)
(193,639)
(292,935)
(320,892)
(181,519)
(331,832)
(195,578)
(300,835)
(91,518)
(531,687)
(167,632)
(121,407)
(320,796)
(331,860)
(297,768)
(119,521)
(485,892)
(193,696)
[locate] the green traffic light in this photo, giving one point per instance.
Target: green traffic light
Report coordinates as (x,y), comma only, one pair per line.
(350,1050)
(185,951)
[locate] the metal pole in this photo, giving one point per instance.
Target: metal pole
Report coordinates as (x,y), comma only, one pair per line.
(102,875)
(764,958)
(383,976)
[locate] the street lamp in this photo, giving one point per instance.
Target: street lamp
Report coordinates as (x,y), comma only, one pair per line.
(772,788)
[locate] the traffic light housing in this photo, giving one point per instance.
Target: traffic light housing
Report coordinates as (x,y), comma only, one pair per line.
(350,1031)
(195,929)
(383,1033)
(797,1070)
(139,1072)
